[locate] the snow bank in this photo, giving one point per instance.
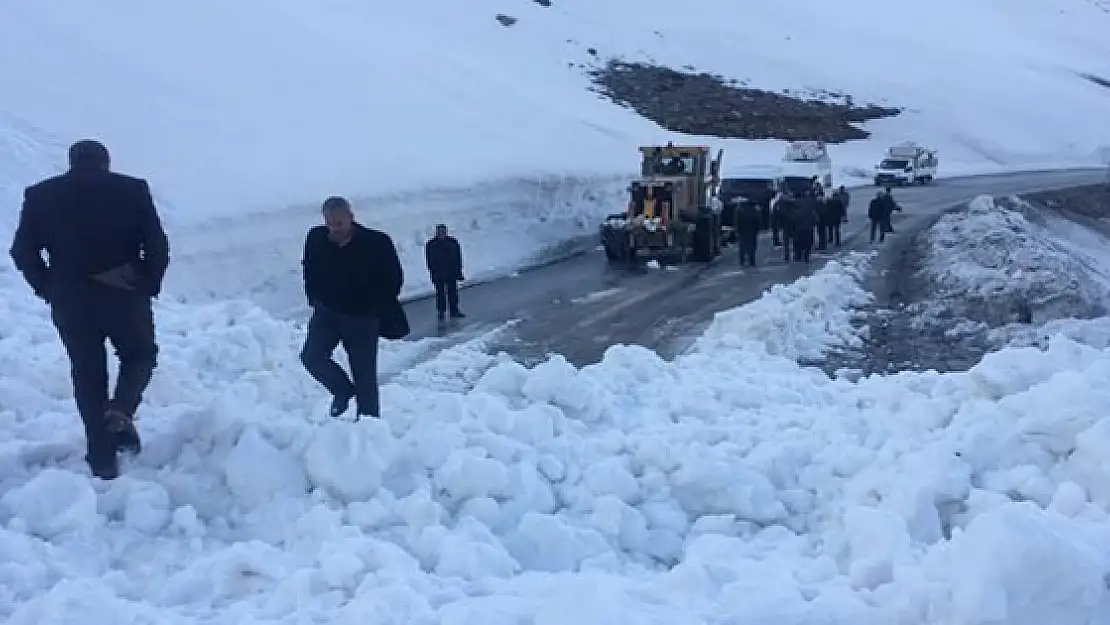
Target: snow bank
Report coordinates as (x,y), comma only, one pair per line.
(501,227)
(730,485)
(999,262)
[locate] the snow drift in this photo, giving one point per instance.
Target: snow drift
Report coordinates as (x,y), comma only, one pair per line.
(1000,261)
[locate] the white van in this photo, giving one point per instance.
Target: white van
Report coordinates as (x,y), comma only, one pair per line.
(906,163)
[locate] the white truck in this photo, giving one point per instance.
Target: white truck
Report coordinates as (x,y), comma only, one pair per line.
(804,164)
(906,163)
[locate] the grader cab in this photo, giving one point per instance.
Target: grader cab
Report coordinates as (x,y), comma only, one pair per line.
(672,213)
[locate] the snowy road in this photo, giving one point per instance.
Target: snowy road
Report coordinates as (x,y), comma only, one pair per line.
(582,306)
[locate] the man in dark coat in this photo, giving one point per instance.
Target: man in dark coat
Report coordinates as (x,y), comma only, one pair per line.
(748,223)
(108,255)
(845,199)
(444,258)
(876,213)
(805,220)
(352,278)
(889,206)
(810,203)
(833,217)
(783,221)
(822,230)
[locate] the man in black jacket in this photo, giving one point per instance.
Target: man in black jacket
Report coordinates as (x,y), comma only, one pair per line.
(833,217)
(805,221)
(108,255)
(748,221)
(876,212)
(352,277)
(782,220)
(444,257)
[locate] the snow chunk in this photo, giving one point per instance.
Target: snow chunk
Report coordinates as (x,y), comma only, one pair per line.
(53,503)
(256,471)
(349,459)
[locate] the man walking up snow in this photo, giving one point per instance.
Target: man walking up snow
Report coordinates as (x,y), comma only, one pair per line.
(352,278)
(108,255)
(444,258)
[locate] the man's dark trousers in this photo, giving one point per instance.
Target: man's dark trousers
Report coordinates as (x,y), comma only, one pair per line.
(747,243)
(85,317)
(803,244)
(447,296)
(878,226)
(359,336)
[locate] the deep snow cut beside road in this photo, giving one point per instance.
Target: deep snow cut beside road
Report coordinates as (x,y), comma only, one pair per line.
(730,485)
(287,102)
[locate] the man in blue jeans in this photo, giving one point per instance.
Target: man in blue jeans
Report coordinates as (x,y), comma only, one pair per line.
(352,275)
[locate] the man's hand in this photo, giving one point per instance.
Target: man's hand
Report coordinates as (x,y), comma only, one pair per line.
(121,277)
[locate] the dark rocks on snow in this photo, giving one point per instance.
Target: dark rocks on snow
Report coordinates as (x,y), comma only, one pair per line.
(543,3)
(1098,80)
(1089,202)
(506,20)
(709,105)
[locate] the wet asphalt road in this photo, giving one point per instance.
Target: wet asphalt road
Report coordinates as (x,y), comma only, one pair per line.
(581,306)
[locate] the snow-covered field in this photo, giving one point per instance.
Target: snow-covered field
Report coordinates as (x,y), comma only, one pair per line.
(253,112)
(728,486)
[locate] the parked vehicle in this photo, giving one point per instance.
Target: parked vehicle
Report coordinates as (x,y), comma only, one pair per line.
(673,212)
(757,184)
(806,163)
(906,164)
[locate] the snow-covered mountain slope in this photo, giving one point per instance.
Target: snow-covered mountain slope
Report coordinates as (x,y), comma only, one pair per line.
(244,110)
(730,486)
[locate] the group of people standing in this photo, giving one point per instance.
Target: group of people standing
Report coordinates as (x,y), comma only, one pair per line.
(107,256)
(797,222)
(805,220)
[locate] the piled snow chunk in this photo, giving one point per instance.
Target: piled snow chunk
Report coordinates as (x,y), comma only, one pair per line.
(1002,261)
(256,471)
(797,320)
(51,504)
(348,459)
(1020,565)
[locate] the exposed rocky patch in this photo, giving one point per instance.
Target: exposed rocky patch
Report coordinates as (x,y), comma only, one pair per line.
(1098,80)
(981,277)
(505,20)
(711,105)
(1089,205)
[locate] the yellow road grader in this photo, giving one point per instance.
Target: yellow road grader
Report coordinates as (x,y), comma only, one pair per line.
(673,215)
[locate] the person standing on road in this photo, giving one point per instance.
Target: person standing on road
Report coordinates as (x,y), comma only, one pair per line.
(833,217)
(876,212)
(783,219)
(810,203)
(748,223)
(108,255)
(805,220)
(444,258)
(845,199)
(352,278)
(889,206)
